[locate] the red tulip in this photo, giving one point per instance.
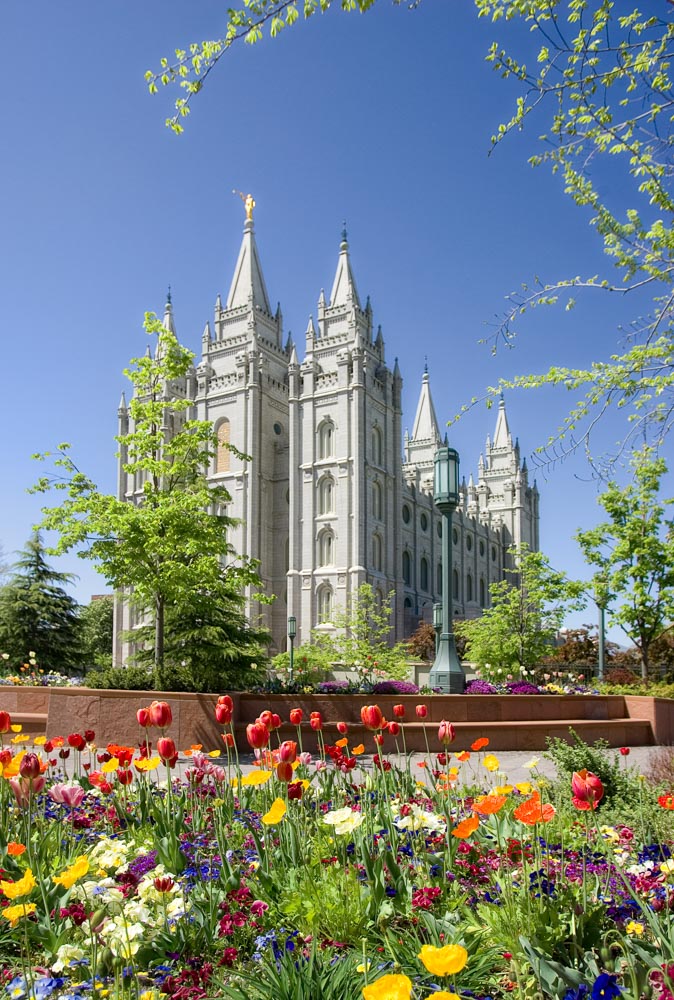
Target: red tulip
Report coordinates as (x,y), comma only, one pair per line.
(228,740)
(225,699)
(378,738)
(394,728)
(166,748)
(276,721)
(257,735)
(284,771)
(296,716)
(399,711)
(89,735)
(287,752)
(295,790)
(161,715)
(223,714)
(143,716)
(5,722)
(625,751)
(5,757)
(266,718)
(587,789)
(77,741)
(446,733)
(342,728)
(163,883)
(30,766)
(422,711)
(124,775)
(371,717)
(316,721)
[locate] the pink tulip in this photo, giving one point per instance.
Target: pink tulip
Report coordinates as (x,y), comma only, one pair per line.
(67,793)
(587,789)
(22,788)
(446,733)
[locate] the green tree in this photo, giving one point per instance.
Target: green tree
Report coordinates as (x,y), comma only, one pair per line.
(525,613)
(634,552)
(363,636)
(596,78)
(39,620)
(209,644)
(97,630)
(171,541)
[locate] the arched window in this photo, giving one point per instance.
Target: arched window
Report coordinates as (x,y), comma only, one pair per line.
(325,548)
(455,582)
(376,552)
(482,592)
(423,574)
(223,454)
(408,603)
(324,605)
(438,578)
(407,568)
(326,496)
(326,439)
(376,445)
(469,588)
(376,501)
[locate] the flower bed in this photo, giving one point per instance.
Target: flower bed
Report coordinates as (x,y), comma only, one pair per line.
(314,877)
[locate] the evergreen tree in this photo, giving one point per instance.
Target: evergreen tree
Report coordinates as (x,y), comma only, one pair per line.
(37,615)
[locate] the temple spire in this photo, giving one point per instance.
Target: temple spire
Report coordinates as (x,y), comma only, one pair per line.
(426,423)
(344,291)
(248,285)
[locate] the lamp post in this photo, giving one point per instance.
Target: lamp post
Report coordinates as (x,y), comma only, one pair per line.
(437,623)
(292,632)
(447,673)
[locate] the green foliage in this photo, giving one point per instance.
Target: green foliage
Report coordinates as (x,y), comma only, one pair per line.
(299,976)
(362,638)
(633,554)
(167,544)
(620,784)
(97,618)
(311,664)
(39,621)
(525,613)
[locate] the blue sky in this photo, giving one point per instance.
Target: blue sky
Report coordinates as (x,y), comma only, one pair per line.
(382,120)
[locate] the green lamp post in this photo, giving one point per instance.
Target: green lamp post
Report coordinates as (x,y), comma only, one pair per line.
(437,623)
(446,673)
(292,632)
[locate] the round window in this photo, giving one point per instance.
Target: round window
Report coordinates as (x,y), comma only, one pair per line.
(469,542)
(278,429)
(455,536)
(423,521)
(406,514)
(481,548)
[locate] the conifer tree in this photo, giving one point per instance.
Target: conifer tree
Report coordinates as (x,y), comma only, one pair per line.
(37,615)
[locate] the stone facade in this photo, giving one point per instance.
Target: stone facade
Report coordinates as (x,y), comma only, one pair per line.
(326,499)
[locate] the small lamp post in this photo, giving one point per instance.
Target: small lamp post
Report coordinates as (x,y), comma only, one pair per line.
(447,673)
(292,632)
(437,623)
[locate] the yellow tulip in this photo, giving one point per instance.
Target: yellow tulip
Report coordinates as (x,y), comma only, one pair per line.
(446,961)
(20,888)
(390,987)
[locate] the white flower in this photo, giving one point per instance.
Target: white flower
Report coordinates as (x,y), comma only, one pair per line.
(66,954)
(344,820)
(531,764)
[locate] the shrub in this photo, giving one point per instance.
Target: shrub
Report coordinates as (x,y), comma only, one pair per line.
(120,678)
(619,783)
(522,687)
(480,687)
(660,769)
(622,676)
(395,687)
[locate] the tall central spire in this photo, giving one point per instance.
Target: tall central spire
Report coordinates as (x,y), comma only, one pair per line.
(248,282)
(344,291)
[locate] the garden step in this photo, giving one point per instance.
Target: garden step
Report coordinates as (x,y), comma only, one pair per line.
(509,735)
(33,723)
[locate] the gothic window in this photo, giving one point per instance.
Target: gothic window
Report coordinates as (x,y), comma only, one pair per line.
(423,574)
(455,582)
(325,548)
(324,605)
(223,454)
(469,588)
(407,568)
(376,552)
(469,542)
(423,521)
(376,501)
(326,496)
(482,592)
(376,445)
(406,514)
(326,439)
(408,604)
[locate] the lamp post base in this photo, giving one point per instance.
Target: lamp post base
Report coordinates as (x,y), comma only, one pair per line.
(447,673)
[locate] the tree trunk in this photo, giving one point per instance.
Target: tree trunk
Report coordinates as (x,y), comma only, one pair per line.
(159,644)
(644,662)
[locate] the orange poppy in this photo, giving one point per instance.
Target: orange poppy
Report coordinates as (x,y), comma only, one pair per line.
(342,743)
(479,744)
(531,811)
(15,849)
(466,827)
(489,804)
(355,751)
(463,756)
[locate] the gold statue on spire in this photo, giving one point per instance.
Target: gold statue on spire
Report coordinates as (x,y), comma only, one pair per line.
(249,203)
